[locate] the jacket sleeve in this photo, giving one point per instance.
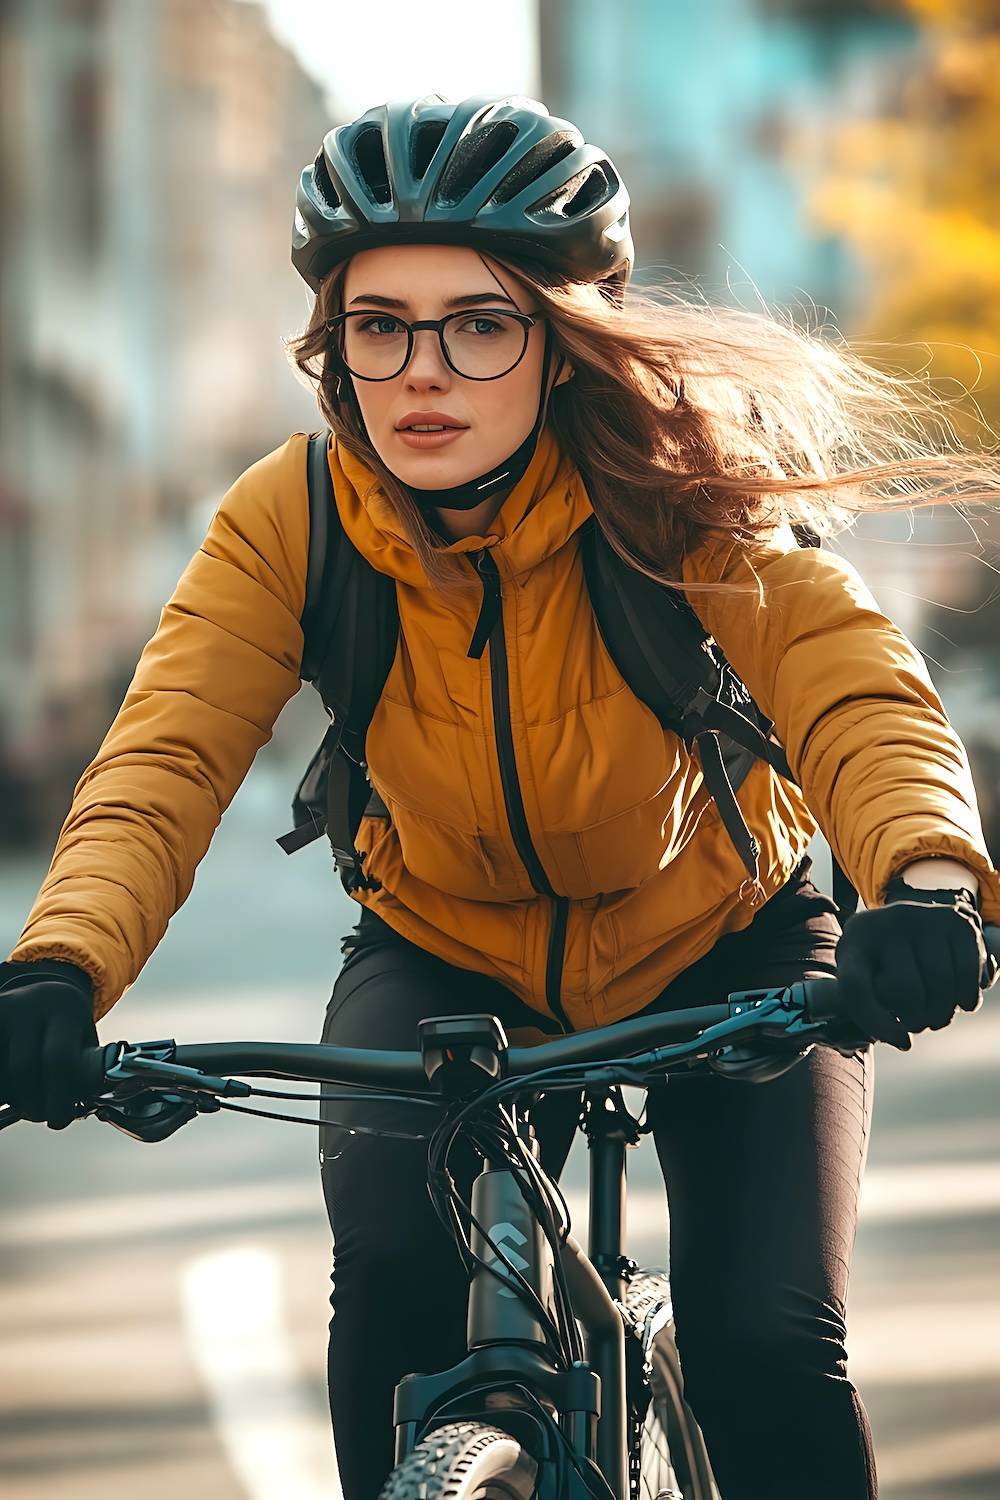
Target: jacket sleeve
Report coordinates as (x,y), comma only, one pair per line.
(865,733)
(206,693)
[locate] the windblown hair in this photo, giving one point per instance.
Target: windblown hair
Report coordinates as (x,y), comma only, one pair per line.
(689,421)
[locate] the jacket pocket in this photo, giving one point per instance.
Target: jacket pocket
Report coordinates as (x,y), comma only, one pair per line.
(445,905)
(622,852)
(444,856)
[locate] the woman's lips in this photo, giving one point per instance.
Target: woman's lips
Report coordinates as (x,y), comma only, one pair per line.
(430,439)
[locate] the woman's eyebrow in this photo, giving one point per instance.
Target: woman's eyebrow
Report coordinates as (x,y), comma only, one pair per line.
(464,301)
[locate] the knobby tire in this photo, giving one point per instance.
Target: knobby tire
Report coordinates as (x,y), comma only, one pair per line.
(464,1461)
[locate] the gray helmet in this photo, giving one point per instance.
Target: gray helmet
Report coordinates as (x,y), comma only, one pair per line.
(500,175)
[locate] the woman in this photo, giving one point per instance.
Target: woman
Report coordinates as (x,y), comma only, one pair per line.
(542,849)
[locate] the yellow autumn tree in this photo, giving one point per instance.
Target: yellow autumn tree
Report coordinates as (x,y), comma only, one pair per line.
(913,186)
(915,189)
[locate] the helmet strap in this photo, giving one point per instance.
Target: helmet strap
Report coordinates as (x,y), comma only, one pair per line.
(473,492)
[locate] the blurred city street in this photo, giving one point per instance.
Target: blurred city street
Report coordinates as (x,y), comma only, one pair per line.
(163,1309)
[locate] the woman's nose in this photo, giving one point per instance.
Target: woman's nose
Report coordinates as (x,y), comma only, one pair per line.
(427,362)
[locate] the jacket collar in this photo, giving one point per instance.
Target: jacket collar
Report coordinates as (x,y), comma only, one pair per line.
(539,515)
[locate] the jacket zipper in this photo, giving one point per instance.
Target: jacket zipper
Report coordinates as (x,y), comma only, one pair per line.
(513,801)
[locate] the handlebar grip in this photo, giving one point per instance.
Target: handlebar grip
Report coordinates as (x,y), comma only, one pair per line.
(94,1065)
(821,997)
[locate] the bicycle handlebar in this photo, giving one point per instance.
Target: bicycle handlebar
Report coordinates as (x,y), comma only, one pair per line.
(802,1013)
(815,1001)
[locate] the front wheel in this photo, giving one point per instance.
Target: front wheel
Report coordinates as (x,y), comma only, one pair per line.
(668,1457)
(672,1455)
(464,1461)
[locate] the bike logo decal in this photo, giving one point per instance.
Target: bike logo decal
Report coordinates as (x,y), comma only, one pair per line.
(505,1236)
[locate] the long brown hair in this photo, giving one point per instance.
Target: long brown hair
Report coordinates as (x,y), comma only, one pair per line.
(689,420)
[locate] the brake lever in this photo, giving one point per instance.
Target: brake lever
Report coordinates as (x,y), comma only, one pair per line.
(137,1063)
(783,1017)
(153,1116)
(146,1112)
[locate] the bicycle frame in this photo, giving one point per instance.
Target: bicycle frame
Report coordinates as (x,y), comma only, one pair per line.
(506,1339)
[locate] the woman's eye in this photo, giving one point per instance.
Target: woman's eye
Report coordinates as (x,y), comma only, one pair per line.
(367,325)
(492,326)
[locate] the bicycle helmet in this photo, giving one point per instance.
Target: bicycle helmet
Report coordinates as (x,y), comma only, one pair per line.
(498,175)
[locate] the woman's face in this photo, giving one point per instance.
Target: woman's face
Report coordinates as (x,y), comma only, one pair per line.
(495,415)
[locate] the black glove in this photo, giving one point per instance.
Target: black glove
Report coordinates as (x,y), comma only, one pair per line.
(46,1020)
(906,966)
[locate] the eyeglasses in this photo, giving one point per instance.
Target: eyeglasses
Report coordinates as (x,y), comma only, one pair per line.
(480,345)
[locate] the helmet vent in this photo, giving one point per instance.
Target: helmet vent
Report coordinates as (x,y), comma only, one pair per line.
(473,157)
(370,158)
(588,189)
(426,139)
(536,163)
(323,184)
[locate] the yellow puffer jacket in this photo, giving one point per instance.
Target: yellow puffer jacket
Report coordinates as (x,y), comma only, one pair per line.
(543,828)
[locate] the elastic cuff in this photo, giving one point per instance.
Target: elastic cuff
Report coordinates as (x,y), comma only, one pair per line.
(897,889)
(54,968)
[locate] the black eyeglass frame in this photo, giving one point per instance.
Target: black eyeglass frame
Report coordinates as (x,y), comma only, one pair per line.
(527,321)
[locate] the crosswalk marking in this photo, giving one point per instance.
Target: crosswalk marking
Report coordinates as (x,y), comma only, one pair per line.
(235,1327)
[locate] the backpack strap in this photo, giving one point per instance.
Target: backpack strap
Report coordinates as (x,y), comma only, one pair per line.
(309,799)
(322,600)
(663,652)
(350,626)
(659,646)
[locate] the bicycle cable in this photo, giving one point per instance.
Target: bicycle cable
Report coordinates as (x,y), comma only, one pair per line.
(493,1141)
(354,1092)
(555,1226)
(557,1234)
(449,1212)
(450,1207)
(270,1114)
(548,1205)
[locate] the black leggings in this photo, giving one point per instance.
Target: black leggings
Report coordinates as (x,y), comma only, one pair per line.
(762,1184)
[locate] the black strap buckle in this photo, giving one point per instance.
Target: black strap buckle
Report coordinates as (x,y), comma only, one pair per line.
(353,878)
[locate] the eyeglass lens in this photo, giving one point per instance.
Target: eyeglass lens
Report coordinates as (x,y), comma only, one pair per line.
(479,345)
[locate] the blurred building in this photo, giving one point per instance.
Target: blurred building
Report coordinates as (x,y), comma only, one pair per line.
(696,105)
(719,117)
(150,154)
